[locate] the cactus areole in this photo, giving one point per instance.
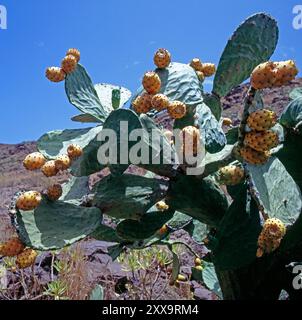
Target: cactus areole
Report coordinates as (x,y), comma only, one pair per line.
(260,182)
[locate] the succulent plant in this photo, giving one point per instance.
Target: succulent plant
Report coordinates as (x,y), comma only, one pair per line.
(229,225)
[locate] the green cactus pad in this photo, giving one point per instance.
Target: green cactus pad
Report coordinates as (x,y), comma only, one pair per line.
(75,189)
(179,221)
(197,230)
(105,233)
(252,43)
(54,225)
(160,161)
(292,115)
(88,163)
(120,121)
(237,234)
(146,227)
(211,131)
(97,293)
(85,118)
(210,278)
(214,162)
(278,191)
(111,96)
(289,154)
(296,93)
(201,199)
(82,94)
(179,82)
(213,102)
(128,196)
(56,142)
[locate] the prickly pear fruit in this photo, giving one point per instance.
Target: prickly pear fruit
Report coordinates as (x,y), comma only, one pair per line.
(162,58)
(162,206)
(181,277)
(160,102)
(254,157)
(74,52)
(142,104)
(200,76)
(63,162)
(261,141)
(198,262)
(285,71)
(208,69)
(199,268)
(151,82)
(11,248)
(26,258)
(196,64)
(74,151)
(273,74)
(263,76)
(49,169)
(271,236)
(262,120)
(230,175)
(34,161)
(28,201)
(177,109)
(190,137)
(227,122)
(54,192)
(69,63)
(163,230)
(55,74)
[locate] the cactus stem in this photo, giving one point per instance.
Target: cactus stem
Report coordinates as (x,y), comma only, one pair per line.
(255,195)
(248,101)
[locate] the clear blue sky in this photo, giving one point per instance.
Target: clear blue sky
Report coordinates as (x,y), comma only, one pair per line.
(117,40)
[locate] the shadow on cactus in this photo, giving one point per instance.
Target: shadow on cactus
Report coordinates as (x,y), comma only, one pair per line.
(244,204)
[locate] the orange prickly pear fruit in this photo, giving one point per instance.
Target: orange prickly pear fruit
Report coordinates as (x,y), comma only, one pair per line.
(29,200)
(34,161)
(177,109)
(55,74)
(162,58)
(151,82)
(11,248)
(49,169)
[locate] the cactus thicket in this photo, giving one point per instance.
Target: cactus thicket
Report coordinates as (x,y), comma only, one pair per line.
(251,173)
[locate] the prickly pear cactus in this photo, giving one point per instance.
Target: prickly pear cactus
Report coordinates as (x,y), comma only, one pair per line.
(149,198)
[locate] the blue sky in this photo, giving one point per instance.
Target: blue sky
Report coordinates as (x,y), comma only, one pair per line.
(117,40)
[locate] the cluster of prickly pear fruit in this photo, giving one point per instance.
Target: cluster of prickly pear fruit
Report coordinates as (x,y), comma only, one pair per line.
(25,257)
(68,65)
(35,161)
(203,70)
(270,237)
(152,99)
(273,74)
(260,140)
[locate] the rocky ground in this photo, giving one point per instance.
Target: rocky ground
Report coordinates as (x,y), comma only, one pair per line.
(13,178)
